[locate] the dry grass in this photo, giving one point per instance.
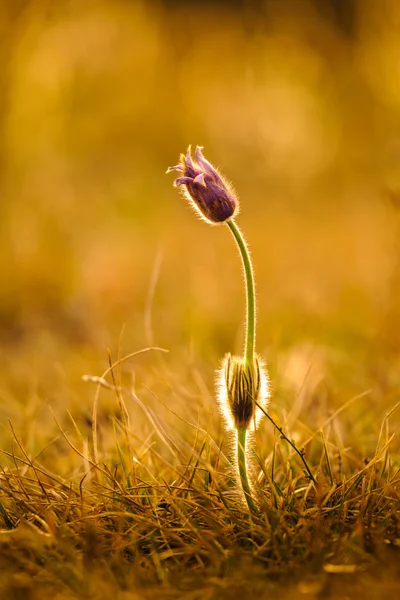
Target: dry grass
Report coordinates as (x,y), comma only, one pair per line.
(164,509)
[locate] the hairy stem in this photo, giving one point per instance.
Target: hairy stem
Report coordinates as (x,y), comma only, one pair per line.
(250,293)
(249,350)
(242,466)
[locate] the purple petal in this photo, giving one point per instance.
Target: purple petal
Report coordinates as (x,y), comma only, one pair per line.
(200,179)
(175,168)
(204,164)
(183,181)
(188,158)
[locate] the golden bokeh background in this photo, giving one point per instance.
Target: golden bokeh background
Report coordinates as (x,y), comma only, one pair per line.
(299,105)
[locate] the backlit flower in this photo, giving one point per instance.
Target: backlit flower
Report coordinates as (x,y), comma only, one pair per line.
(207,191)
(240,389)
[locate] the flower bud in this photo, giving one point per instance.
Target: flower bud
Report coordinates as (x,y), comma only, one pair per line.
(240,387)
(207,191)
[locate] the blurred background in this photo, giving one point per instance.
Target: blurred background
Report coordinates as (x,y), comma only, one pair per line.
(298,103)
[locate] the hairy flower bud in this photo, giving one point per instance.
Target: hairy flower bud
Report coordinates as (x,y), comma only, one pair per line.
(207,191)
(240,388)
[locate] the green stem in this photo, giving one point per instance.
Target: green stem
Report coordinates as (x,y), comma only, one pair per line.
(249,350)
(250,293)
(244,480)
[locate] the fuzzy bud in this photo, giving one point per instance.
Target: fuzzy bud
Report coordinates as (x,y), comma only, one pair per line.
(240,388)
(207,191)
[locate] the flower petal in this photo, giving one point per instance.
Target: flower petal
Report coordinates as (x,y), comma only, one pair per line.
(203,163)
(200,179)
(175,168)
(183,181)
(188,158)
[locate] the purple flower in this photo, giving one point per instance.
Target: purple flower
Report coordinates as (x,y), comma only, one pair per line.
(207,191)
